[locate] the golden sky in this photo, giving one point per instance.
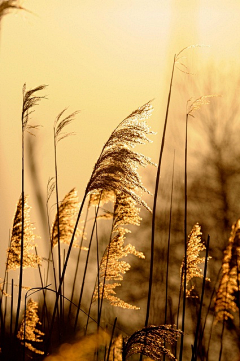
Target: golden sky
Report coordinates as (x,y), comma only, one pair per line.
(104,58)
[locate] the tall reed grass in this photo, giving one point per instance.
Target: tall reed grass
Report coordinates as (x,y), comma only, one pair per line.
(60,318)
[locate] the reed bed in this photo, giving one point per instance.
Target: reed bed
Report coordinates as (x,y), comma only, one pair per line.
(66,317)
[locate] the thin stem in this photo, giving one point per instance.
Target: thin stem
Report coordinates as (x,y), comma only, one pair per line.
(178,309)
(210,337)
(185,243)
(221,348)
(85,269)
(98,273)
(89,310)
(64,271)
(209,306)
(22,236)
(64,257)
(44,296)
(105,274)
(51,254)
(58,225)
(155,199)
(78,259)
(11,319)
(5,309)
(168,249)
(110,344)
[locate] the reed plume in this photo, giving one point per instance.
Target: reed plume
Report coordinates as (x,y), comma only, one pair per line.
(29,101)
(196,104)
(28,332)
(226,301)
(194,247)
(111,268)
(115,175)
(116,168)
(14,251)
(60,124)
(150,341)
(8,5)
(64,222)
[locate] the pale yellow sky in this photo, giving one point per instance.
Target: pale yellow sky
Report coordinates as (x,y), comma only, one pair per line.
(104,58)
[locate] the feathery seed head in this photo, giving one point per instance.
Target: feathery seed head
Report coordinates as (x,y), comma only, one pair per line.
(101,197)
(29,324)
(226,302)
(117,166)
(7,5)
(150,341)
(197,103)
(68,210)
(194,246)
(111,268)
(29,101)
(60,124)
(14,251)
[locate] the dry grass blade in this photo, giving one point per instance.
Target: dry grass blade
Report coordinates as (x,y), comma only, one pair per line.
(150,341)
(68,210)
(29,327)
(194,247)
(111,268)
(226,302)
(116,168)
(14,251)
(29,101)
(60,124)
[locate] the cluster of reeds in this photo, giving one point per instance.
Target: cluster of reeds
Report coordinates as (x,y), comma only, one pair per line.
(36,329)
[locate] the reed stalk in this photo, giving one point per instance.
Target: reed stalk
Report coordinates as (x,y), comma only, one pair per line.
(85,269)
(156,196)
(29,101)
(77,263)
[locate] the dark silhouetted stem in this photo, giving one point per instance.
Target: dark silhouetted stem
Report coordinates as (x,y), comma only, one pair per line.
(185,242)
(85,269)
(168,249)
(77,263)
(22,237)
(155,199)
(110,344)
(58,225)
(64,271)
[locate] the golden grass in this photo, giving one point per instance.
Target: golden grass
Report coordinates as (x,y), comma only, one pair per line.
(194,247)
(14,251)
(29,329)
